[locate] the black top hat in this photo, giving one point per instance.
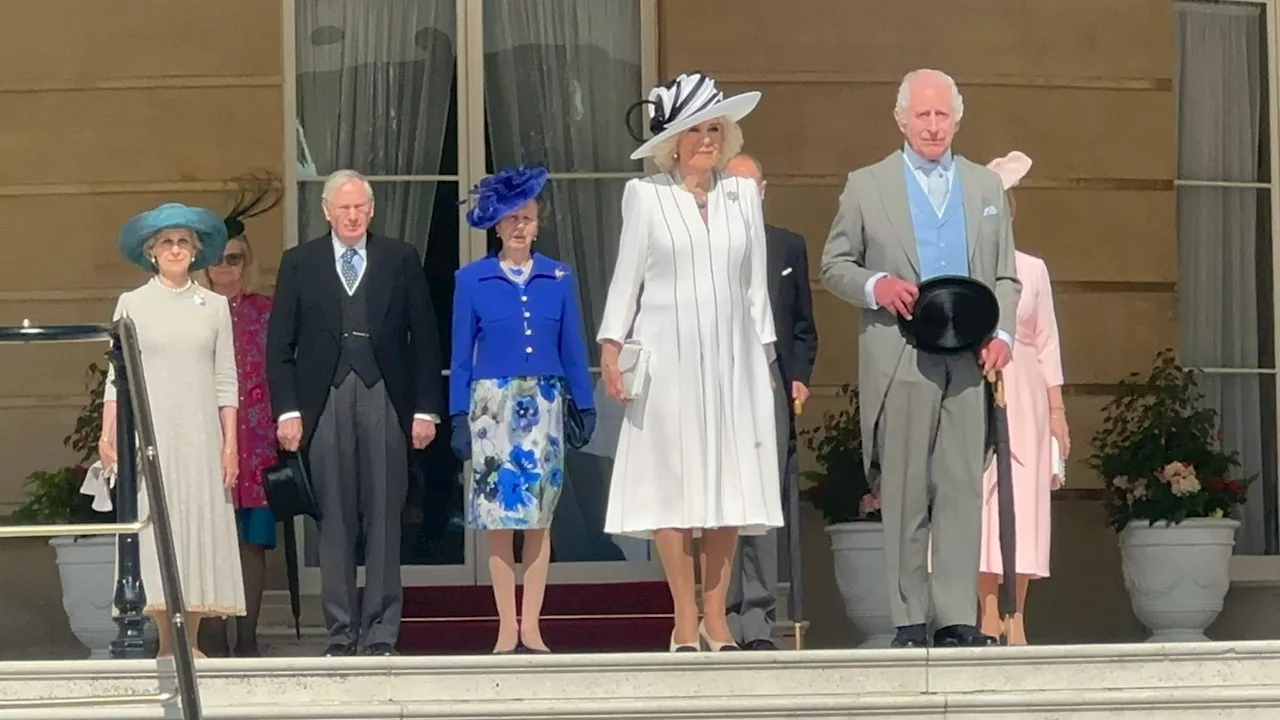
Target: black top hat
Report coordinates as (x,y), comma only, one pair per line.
(289,491)
(953,314)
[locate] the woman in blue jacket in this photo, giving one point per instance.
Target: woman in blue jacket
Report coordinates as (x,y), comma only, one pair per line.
(519,391)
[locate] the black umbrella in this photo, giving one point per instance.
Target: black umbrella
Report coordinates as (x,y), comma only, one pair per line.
(795,606)
(289,494)
(999,429)
(291,574)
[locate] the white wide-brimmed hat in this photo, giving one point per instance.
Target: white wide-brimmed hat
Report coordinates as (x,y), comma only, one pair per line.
(683,103)
(1011,168)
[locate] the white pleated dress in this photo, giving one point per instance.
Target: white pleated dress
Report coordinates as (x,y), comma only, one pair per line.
(697,450)
(188,355)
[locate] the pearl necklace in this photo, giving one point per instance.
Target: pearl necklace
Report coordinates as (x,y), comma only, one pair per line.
(173,290)
(512,269)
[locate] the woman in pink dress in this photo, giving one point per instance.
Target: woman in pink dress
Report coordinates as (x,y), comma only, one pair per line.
(234,277)
(1037,418)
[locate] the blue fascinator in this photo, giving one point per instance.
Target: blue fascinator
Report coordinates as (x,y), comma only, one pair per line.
(501,193)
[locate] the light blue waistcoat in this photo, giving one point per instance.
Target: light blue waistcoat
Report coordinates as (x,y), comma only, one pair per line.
(941,240)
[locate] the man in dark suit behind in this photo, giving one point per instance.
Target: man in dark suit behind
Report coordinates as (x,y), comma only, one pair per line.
(754,579)
(353,364)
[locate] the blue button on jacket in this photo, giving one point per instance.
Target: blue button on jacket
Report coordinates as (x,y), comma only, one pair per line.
(504,330)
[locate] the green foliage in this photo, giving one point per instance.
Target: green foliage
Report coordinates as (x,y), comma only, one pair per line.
(840,490)
(1160,451)
(53,497)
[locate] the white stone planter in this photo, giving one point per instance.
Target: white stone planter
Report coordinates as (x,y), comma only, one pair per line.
(87,568)
(1178,575)
(858,556)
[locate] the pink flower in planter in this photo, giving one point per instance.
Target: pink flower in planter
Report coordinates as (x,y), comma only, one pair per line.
(869,503)
(1180,477)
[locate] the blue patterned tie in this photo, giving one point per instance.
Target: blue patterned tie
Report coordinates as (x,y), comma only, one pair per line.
(348,266)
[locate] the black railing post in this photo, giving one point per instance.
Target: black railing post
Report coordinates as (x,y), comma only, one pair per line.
(130,597)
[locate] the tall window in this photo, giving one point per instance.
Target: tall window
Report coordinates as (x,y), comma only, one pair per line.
(1223,91)
(558,79)
(391,89)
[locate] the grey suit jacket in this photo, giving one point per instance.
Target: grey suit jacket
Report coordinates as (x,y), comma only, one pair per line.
(872,233)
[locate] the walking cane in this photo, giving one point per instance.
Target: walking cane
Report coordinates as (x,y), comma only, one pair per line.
(1004,495)
(795,607)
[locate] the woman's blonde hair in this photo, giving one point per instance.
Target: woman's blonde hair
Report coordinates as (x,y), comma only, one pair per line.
(665,155)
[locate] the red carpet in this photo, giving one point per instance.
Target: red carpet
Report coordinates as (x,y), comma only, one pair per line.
(607,617)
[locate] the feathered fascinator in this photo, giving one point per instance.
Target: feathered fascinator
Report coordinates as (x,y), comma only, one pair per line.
(501,193)
(256,195)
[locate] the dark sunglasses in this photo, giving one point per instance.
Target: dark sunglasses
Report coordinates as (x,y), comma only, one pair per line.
(232,259)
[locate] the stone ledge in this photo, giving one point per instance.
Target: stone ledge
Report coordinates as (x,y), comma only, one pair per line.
(1034,674)
(1153,704)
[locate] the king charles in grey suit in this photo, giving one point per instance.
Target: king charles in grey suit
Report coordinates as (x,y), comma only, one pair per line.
(923,212)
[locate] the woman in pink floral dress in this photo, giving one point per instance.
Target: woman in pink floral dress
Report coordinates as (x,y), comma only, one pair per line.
(233,277)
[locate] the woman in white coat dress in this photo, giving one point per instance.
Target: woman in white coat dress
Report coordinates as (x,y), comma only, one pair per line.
(696,454)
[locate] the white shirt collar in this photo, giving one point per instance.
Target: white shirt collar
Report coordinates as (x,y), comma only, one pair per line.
(340,247)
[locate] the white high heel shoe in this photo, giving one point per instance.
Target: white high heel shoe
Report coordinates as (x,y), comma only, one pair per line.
(678,647)
(712,645)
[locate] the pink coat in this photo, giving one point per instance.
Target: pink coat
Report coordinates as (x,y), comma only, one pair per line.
(1036,366)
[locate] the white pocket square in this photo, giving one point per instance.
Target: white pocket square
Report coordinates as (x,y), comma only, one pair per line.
(786,272)
(990,210)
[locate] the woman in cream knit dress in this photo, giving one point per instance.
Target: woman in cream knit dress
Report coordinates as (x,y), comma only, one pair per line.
(188,356)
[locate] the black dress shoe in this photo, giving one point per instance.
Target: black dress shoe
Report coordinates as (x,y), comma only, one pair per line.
(340,650)
(760,644)
(380,649)
(962,636)
(910,636)
(523,649)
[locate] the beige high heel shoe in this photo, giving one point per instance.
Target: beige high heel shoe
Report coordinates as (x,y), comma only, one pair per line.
(712,645)
(677,647)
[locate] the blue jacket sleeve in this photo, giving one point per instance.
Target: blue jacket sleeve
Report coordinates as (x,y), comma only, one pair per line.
(464,347)
(573,348)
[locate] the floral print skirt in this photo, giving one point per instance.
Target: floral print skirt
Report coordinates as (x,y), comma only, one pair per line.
(517,452)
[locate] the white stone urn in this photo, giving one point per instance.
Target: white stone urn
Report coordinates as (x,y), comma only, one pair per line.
(1178,575)
(858,556)
(87,568)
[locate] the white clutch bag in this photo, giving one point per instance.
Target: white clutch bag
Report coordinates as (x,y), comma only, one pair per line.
(1057,464)
(633,361)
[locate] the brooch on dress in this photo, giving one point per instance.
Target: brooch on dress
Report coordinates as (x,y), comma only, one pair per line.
(560,273)
(199,298)
(732,196)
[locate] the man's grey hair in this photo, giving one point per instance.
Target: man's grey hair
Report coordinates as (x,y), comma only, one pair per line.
(904,91)
(338,178)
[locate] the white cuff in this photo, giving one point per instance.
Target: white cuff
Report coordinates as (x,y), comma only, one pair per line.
(869,290)
(429,417)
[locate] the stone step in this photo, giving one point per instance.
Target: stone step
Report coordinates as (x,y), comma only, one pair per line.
(1139,682)
(1178,704)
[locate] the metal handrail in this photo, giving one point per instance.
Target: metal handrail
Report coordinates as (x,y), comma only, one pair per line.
(31,531)
(133,424)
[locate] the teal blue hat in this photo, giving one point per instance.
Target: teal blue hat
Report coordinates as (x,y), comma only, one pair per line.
(206,224)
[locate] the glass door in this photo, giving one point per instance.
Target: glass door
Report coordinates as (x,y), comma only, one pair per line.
(424,97)
(556,78)
(375,88)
